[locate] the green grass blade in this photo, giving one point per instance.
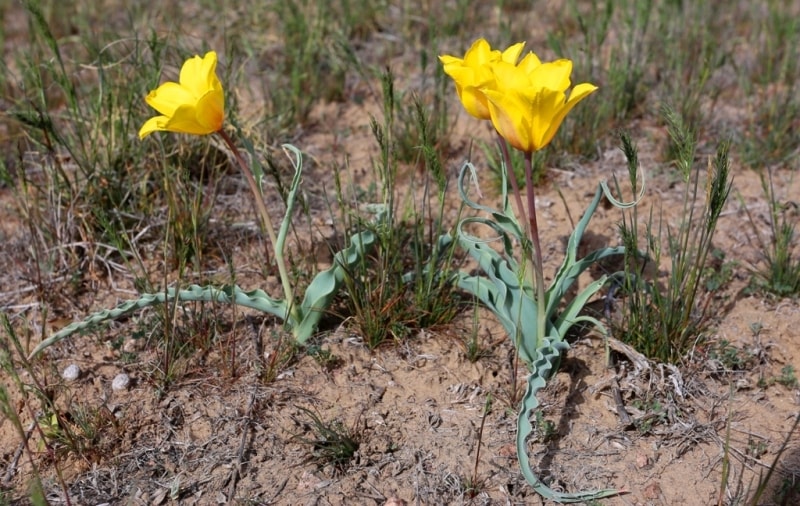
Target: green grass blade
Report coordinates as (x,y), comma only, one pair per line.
(326,284)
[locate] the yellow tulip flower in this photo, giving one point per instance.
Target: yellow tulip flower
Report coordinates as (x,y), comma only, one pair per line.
(194,105)
(528,101)
(473,73)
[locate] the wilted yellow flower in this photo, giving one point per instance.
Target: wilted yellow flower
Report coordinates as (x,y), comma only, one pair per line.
(194,105)
(473,73)
(528,101)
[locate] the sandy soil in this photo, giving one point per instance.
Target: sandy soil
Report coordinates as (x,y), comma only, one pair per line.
(416,407)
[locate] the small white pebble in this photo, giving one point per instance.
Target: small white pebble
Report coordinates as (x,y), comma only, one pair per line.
(121,382)
(71,372)
(133,345)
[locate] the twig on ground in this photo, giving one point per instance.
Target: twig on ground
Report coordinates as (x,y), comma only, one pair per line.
(624,417)
(12,466)
(236,472)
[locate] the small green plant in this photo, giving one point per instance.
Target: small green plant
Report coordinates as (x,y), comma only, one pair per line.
(592,23)
(545,429)
(664,324)
(771,84)
(311,64)
(653,413)
(726,455)
(331,442)
(280,354)
(788,377)
(473,349)
(720,271)
(740,493)
(781,274)
(788,492)
(769,139)
(692,54)
(80,430)
(756,447)
(475,484)
(777,52)
(407,283)
(730,356)
(325,358)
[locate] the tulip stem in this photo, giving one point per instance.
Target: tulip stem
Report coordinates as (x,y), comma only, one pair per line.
(512,176)
(527,255)
(283,273)
(538,267)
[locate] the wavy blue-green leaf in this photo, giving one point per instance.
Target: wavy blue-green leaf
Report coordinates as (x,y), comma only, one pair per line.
(255,299)
(326,284)
(546,364)
(504,219)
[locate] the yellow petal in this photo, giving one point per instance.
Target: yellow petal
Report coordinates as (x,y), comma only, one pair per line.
(474,101)
(479,53)
(546,106)
(198,75)
(577,94)
(168,97)
(511,55)
(211,110)
(510,114)
(529,62)
(447,59)
(471,76)
(581,91)
(185,120)
(155,124)
(510,77)
(553,75)
(469,83)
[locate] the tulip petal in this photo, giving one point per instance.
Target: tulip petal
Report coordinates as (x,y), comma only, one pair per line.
(198,75)
(548,105)
(168,97)
(479,53)
(155,124)
(510,114)
(469,82)
(511,55)
(577,94)
(475,102)
(185,120)
(447,59)
(210,110)
(529,62)
(552,75)
(510,77)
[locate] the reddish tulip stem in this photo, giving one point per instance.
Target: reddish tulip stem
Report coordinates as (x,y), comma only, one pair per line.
(267,223)
(538,267)
(512,176)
